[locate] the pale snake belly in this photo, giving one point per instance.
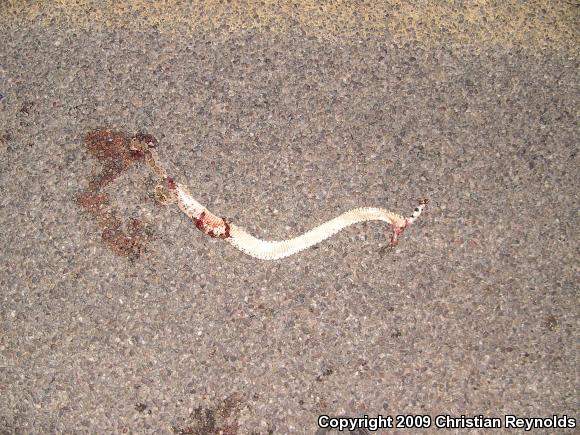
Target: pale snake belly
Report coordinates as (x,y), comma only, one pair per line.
(168,190)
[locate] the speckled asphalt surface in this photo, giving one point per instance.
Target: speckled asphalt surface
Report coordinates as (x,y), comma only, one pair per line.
(475,313)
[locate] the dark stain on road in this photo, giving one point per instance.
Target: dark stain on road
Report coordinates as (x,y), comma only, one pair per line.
(111,148)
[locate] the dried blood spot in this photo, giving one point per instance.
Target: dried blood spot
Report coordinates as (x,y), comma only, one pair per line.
(135,227)
(147,139)
(171,183)
(213,226)
(122,244)
(91,201)
(112,149)
(107,144)
(219,419)
(110,171)
(397,231)
(136,155)
(200,224)
(226,229)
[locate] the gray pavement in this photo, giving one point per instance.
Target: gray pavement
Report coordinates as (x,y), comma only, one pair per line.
(475,312)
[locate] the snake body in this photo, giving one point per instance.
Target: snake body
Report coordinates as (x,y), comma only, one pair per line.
(170,191)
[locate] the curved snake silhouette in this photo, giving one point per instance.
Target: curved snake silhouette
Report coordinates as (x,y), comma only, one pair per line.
(214,226)
(117,152)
